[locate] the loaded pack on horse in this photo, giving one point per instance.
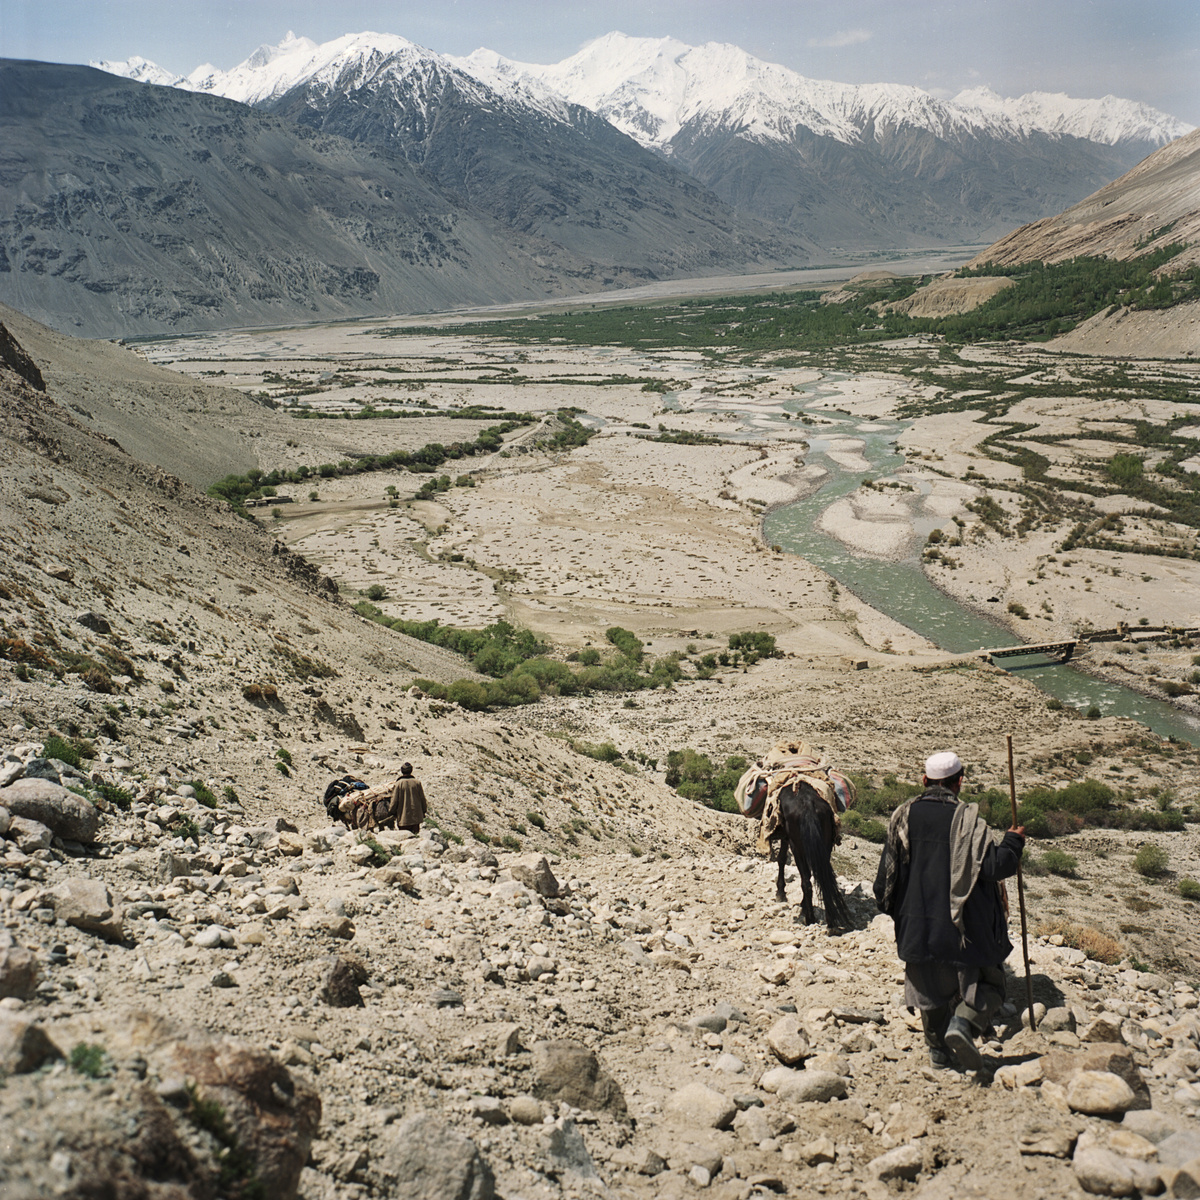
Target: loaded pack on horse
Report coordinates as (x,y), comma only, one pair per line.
(799,798)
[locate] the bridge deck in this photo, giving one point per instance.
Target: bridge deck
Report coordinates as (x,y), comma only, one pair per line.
(1063,650)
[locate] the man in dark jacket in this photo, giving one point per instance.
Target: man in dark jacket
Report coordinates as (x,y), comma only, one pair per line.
(939,878)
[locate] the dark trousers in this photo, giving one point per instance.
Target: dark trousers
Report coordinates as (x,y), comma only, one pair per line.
(933,987)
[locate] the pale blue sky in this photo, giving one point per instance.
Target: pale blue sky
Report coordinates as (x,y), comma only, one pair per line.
(1146,50)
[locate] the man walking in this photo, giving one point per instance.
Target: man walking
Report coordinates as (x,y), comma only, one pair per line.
(939,878)
(408,801)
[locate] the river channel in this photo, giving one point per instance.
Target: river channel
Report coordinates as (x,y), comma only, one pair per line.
(902,590)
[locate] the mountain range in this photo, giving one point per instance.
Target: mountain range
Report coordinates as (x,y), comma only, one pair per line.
(371,176)
(845,166)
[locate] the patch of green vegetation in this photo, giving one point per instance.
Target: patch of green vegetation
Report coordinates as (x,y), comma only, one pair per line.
(89,1059)
(59,748)
(1058,862)
(229,795)
(204,794)
(536,819)
(238,1173)
(380,854)
(1189,889)
(695,776)
(118,797)
(1151,860)
(871,829)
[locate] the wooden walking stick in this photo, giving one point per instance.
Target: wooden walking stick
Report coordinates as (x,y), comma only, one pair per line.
(1012,794)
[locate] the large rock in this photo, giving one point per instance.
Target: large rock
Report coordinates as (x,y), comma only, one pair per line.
(534,872)
(24,1045)
(342,978)
(1099,1094)
(818,1086)
(1101,1171)
(65,814)
(787,1039)
(30,836)
(425,1159)
(87,904)
(568,1071)
(1061,1066)
(700,1105)
(18,969)
(902,1163)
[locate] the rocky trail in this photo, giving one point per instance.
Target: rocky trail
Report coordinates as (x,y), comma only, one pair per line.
(470,1022)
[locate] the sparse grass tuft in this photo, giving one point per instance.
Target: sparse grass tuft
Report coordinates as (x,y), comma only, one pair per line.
(59,748)
(1096,945)
(204,793)
(89,1059)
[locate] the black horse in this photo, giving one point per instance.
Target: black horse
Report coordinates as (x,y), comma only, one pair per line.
(807,825)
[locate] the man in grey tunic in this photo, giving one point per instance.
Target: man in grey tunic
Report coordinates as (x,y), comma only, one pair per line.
(939,878)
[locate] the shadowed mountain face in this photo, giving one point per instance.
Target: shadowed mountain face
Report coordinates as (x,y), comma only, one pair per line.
(898,185)
(129,208)
(578,182)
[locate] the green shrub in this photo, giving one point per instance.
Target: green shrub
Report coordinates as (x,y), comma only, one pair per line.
(88,1058)
(1189,889)
(1151,860)
(1054,704)
(869,828)
(694,776)
(629,645)
(1093,713)
(1058,862)
(1018,610)
(204,793)
(61,749)
(284,755)
(118,797)
(510,843)
(376,592)
(229,795)
(536,819)
(602,751)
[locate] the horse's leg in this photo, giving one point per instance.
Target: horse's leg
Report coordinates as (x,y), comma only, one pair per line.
(806,904)
(780,893)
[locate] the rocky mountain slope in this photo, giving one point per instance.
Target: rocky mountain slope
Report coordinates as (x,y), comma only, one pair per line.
(1152,206)
(128,208)
(848,165)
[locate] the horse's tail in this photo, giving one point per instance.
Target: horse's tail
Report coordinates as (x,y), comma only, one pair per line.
(817,851)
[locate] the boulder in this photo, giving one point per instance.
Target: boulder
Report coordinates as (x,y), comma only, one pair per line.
(329,923)
(787,1040)
(24,1045)
(567,1152)
(87,904)
(702,1106)
(425,1159)
(96,622)
(568,1071)
(30,836)
(1099,1094)
(525,1110)
(534,872)
(18,969)
(1104,1028)
(1060,1066)
(65,814)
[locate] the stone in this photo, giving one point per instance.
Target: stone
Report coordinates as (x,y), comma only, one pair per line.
(65,814)
(698,1104)
(1057,1020)
(731,1013)
(328,923)
(525,1110)
(1132,1145)
(1156,1127)
(813,1086)
(19,970)
(700,1176)
(208,938)
(778,1077)
(445,998)
(1099,1094)
(1103,1172)
(751,1126)
(650,1163)
(1185,1181)
(904,1162)
(24,1045)
(426,1159)
(729,1064)
(534,872)
(1103,1029)
(906,1126)
(568,1071)
(775,972)
(1019,1075)
(488,1110)
(222,979)
(766,1182)
(712,1022)
(291,845)
(566,1151)
(507,1039)
(538,967)
(1059,1066)
(96,622)
(1044,1137)
(394,875)
(87,904)
(820,1151)
(339,988)
(1179,1148)
(29,835)
(787,1040)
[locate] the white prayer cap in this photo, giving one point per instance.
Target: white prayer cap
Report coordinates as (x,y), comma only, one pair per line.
(943,765)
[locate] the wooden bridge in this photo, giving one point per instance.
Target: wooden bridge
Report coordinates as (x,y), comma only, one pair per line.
(1060,650)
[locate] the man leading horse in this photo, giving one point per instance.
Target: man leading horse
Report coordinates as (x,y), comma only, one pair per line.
(939,878)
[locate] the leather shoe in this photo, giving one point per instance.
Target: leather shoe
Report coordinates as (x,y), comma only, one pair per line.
(960,1042)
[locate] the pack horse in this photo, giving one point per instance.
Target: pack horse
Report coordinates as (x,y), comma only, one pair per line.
(799,798)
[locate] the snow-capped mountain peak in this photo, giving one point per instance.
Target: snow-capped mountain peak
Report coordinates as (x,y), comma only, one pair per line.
(142,70)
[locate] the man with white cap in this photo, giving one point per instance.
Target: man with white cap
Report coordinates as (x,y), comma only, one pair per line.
(939,878)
